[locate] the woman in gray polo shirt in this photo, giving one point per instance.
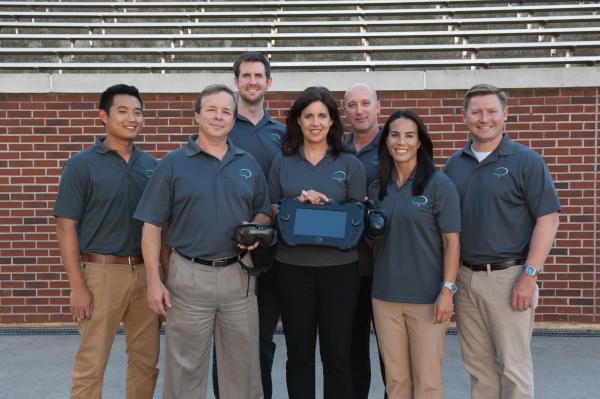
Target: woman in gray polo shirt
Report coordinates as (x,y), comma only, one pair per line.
(415,260)
(318,286)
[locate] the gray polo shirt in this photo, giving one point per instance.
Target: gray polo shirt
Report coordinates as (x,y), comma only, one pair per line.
(369,156)
(501,198)
(409,256)
(262,141)
(201,199)
(100,191)
(340,178)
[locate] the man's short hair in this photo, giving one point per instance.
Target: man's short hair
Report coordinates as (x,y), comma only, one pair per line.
(482,90)
(252,56)
(212,89)
(360,84)
(106,98)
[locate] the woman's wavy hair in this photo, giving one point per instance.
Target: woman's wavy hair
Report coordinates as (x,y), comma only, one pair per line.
(293,138)
(425,167)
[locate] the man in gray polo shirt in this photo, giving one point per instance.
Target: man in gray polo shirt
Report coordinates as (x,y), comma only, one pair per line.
(200,193)
(256,132)
(362,108)
(509,219)
(99,243)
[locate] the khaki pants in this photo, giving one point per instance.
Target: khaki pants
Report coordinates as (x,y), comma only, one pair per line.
(412,348)
(494,339)
(204,299)
(119,293)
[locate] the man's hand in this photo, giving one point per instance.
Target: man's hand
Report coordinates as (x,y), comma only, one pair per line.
(158,297)
(82,303)
(443,308)
(248,247)
(523,293)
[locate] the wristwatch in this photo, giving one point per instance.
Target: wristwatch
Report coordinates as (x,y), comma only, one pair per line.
(451,286)
(531,271)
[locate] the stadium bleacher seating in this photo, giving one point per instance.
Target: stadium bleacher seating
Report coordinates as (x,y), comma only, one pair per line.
(297,35)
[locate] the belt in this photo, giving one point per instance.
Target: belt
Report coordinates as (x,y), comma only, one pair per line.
(220,262)
(112,259)
(505,264)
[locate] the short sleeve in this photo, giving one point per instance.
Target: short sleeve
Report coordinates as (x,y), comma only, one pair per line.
(446,207)
(155,205)
(540,193)
(71,196)
(357,184)
(275,188)
(260,202)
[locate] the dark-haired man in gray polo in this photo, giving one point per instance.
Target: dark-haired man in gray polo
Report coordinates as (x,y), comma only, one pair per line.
(509,218)
(256,132)
(200,193)
(99,243)
(361,108)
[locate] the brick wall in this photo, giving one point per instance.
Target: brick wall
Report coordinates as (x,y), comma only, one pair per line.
(38,132)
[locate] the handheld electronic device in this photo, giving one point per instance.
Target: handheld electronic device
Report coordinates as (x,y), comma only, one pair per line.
(248,234)
(338,226)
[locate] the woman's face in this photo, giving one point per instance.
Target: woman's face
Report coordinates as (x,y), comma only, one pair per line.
(315,121)
(403,141)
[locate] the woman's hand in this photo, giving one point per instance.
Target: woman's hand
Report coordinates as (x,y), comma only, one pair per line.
(443,308)
(313,196)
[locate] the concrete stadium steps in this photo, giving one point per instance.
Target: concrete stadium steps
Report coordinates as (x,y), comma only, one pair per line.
(319,34)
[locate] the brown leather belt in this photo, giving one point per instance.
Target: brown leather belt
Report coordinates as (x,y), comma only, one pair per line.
(112,259)
(505,264)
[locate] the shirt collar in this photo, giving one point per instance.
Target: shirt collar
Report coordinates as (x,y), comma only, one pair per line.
(506,147)
(263,121)
(192,148)
(101,148)
(371,144)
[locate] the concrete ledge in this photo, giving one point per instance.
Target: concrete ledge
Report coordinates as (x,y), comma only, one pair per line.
(298,81)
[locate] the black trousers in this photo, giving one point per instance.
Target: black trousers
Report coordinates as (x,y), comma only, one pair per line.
(268,317)
(323,300)
(361,340)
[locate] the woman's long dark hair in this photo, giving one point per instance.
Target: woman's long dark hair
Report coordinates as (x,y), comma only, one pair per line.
(293,138)
(425,167)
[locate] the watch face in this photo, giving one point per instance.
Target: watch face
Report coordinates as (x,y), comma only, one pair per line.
(530,270)
(450,286)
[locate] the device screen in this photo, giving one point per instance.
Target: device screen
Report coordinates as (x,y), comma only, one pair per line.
(314,222)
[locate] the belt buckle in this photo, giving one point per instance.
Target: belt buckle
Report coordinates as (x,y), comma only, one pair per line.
(219,262)
(130,260)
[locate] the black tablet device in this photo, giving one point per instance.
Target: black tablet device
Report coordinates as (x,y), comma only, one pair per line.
(337,226)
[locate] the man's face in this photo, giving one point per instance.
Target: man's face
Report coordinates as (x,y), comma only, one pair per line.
(485,118)
(252,82)
(216,116)
(123,120)
(361,108)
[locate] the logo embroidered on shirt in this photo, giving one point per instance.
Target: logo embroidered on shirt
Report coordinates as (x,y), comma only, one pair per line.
(246,173)
(339,175)
(501,171)
(375,160)
(275,137)
(148,172)
(419,200)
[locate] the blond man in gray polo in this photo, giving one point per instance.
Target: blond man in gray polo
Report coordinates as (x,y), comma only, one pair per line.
(509,220)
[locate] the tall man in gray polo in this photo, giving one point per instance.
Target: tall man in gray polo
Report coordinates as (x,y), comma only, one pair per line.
(509,218)
(256,132)
(200,193)
(361,108)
